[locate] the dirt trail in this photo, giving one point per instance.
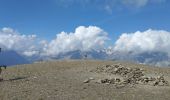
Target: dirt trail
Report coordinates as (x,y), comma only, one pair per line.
(64,80)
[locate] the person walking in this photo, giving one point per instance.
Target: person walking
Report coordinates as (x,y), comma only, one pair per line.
(1,79)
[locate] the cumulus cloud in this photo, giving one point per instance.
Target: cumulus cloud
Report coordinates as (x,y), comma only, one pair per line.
(84,38)
(13,40)
(147,41)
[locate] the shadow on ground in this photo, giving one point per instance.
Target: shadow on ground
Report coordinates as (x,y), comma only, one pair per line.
(14,79)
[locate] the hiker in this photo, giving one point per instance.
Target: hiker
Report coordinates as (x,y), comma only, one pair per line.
(2,65)
(1,79)
(85,56)
(1,68)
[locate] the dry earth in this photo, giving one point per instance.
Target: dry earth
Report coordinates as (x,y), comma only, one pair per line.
(64,80)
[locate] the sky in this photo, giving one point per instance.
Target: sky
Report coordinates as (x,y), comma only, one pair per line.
(52,21)
(46,18)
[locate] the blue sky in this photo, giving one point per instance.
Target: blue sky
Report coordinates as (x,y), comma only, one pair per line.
(46,18)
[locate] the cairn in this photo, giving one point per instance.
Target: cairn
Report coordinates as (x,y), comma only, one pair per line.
(130,76)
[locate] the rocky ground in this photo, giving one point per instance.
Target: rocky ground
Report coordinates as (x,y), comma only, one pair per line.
(85,80)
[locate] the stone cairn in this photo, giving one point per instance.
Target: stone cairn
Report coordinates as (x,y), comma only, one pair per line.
(130,76)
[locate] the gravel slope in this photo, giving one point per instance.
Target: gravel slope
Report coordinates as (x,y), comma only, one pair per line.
(63,80)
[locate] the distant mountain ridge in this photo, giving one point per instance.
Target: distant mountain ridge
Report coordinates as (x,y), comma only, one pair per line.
(10,58)
(151,58)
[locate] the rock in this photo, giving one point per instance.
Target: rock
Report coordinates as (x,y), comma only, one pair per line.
(86,81)
(99,81)
(117,80)
(108,66)
(112,81)
(116,69)
(152,79)
(1,79)
(116,66)
(161,84)
(91,78)
(35,77)
(146,80)
(158,77)
(105,81)
(119,85)
(155,83)
(161,78)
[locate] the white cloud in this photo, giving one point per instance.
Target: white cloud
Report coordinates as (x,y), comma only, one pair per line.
(84,38)
(147,41)
(13,40)
(7,30)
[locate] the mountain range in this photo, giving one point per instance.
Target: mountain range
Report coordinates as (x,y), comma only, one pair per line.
(10,58)
(152,58)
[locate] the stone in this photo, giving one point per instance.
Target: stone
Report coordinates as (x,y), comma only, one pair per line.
(86,81)
(1,79)
(116,66)
(112,81)
(35,77)
(116,69)
(108,66)
(91,78)
(117,80)
(99,81)
(105,81)
(161,84)
(155,83)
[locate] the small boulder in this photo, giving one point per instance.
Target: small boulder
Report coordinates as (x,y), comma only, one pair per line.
(1,79)
(86,81)
(99,81)
(91,78)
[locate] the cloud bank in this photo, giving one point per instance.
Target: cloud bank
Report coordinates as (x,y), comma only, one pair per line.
(150,46)
(147,41)
(13,40)
(84,39)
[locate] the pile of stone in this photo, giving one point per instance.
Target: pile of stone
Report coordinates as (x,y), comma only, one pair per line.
(129,76)
(109,81)
(119,70)
(118,82)
(160,81)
